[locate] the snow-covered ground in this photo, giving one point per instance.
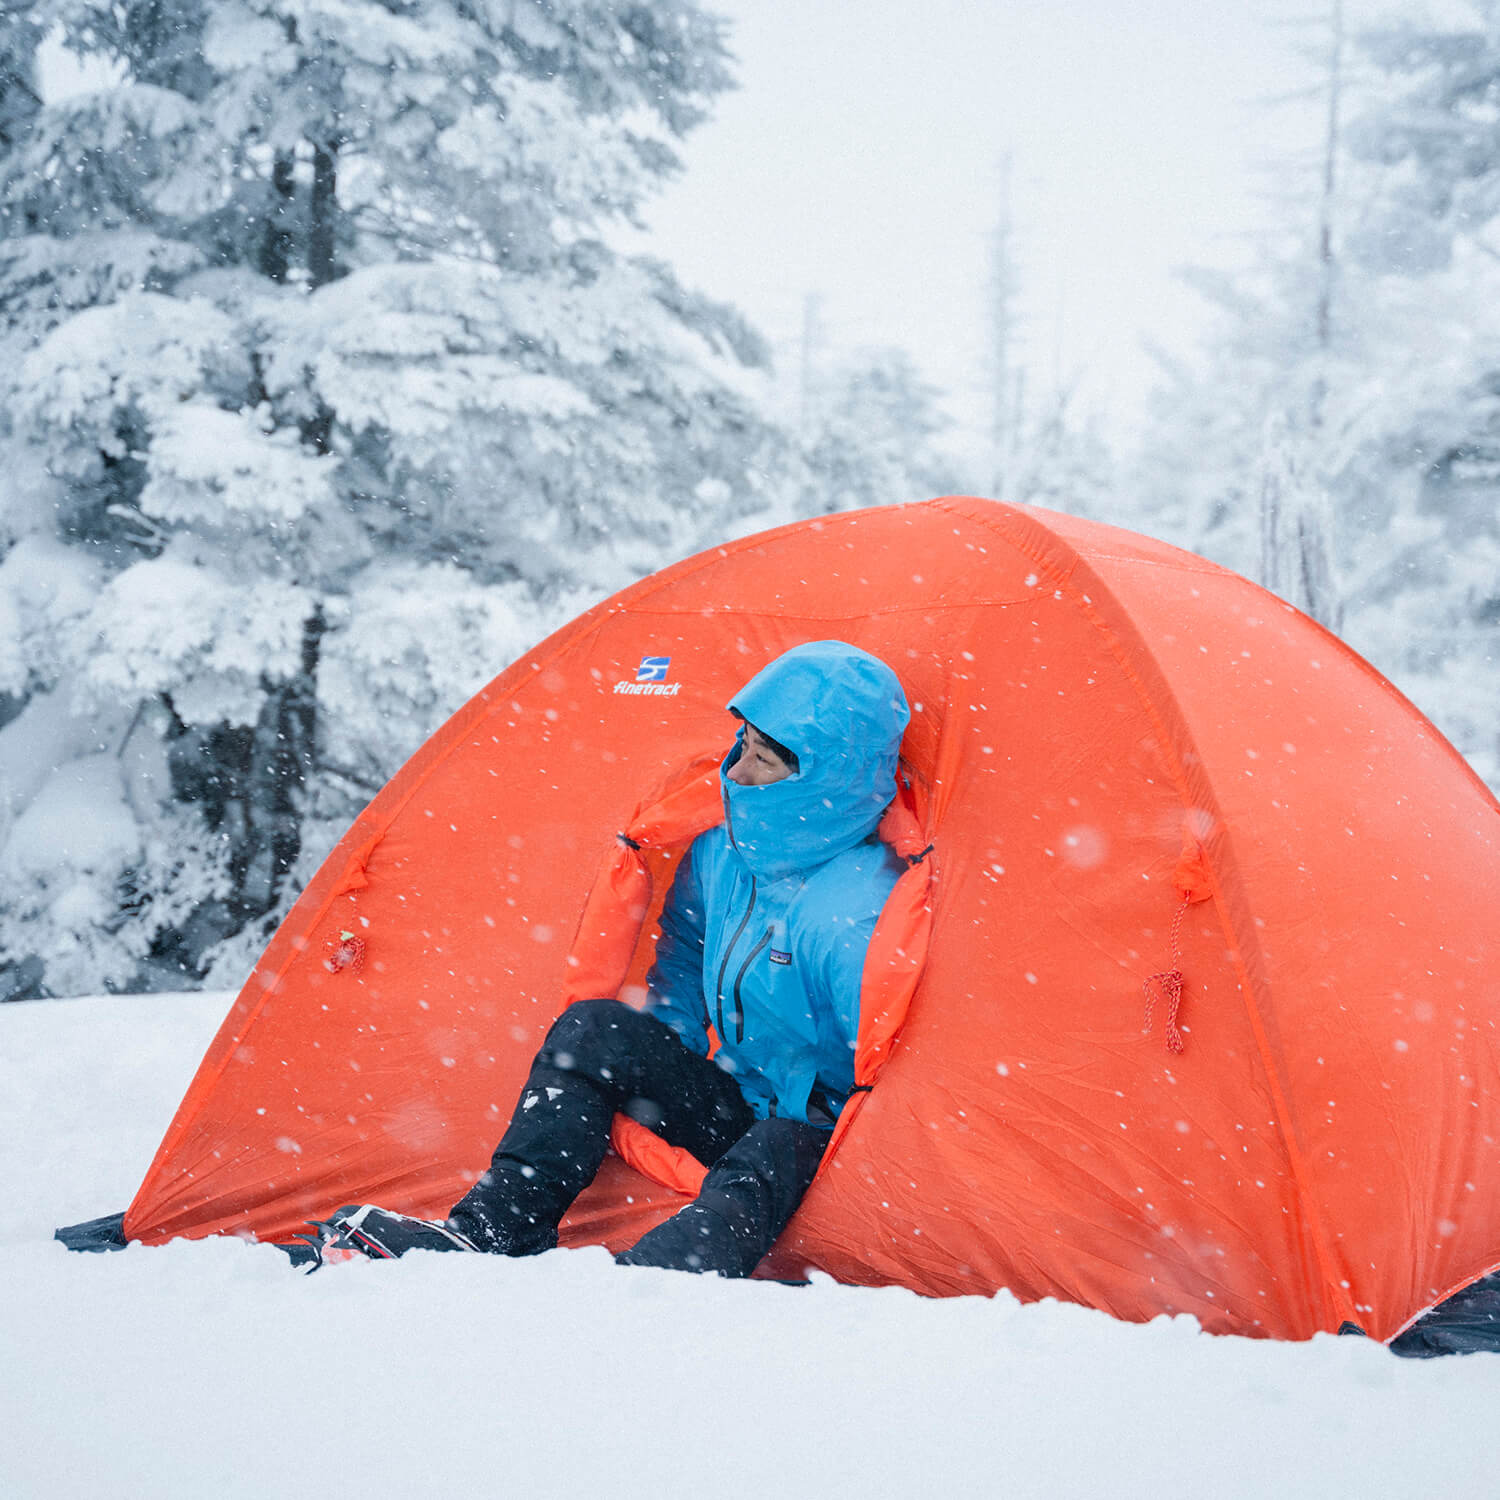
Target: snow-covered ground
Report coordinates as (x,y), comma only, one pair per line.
(213,1369)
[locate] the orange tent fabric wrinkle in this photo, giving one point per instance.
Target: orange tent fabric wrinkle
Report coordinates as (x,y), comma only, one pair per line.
(1134,785)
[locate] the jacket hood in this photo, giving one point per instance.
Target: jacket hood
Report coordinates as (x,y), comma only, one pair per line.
(842,712)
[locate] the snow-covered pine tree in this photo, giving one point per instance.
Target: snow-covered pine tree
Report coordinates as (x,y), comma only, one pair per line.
(1248,460)
(1431,128)
(1405,385)
(20,89)
(1238,456)
(870,431)
(1402,459)
(1064,461)
(1428,135)
(329,395)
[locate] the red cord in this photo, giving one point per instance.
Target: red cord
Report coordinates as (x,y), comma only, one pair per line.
(347,952)
(1168,984)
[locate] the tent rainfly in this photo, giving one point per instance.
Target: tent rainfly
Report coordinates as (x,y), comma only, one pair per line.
(1190,1007)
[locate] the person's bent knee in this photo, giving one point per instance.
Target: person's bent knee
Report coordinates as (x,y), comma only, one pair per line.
(587,1035)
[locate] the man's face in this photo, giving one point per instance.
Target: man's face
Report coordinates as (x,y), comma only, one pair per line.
(759,764)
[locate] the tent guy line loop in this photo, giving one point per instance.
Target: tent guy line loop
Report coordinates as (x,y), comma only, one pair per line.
(347,951)
(1168,984)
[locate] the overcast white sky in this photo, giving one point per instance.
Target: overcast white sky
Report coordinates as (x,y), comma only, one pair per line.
(860,158)
(859,161)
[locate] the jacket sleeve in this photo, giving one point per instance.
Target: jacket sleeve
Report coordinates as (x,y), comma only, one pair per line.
(675,984)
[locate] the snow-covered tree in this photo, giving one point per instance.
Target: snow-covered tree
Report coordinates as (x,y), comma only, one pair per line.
(1426,140)
(1071,466)
(327,395)
(20,90)
(1378,419)
(870,436)
(1432,129)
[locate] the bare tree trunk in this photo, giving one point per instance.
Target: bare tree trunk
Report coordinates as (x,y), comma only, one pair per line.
(276,249)
(20,97)
(320,227)
(812,338)
(1297,522)
(1296,528)
(1271,486)
(1330,176)
(281,755)
(252,783)
(282,759)
(1005,377)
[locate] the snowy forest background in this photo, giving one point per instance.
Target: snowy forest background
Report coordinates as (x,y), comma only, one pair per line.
(328,390)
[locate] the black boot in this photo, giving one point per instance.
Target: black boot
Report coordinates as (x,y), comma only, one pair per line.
(377,1233)
(745,1202)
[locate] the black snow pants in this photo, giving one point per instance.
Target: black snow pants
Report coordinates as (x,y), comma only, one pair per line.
(602,1056)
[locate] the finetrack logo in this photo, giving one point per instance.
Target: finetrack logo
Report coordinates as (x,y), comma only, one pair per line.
(651,679)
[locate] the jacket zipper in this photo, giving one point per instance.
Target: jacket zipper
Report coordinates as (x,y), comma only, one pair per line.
(724,963)
(739,1010)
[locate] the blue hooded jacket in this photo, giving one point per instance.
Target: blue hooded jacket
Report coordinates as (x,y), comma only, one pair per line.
(764,931)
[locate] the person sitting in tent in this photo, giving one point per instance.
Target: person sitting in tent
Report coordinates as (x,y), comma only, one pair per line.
(763,939)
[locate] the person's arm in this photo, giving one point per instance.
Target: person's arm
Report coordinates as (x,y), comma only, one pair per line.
(675,984)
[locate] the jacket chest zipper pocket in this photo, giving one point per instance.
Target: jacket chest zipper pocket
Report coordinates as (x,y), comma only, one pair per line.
(724,964)
(739,1010)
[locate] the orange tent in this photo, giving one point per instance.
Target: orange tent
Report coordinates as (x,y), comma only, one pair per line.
(1207,1021)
